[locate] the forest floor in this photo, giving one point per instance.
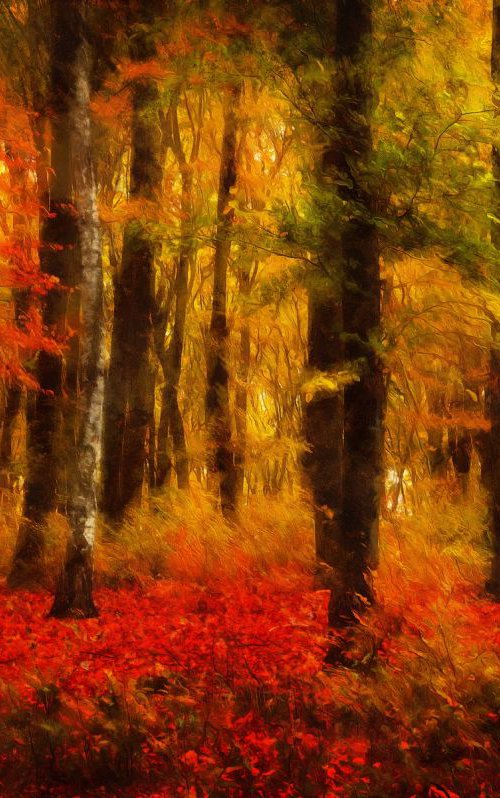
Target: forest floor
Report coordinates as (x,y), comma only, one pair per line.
(215,685)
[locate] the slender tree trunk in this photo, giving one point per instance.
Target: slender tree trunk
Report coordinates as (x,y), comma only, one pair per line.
(164,454)
(364,399)
(13,402)
(173,360)
(21,297)
(460,448)
(493,584)
(128,392)
(221,460)
(74,590)
(171,423)
(241,399)
(437,456)
(58,237)
(10,421)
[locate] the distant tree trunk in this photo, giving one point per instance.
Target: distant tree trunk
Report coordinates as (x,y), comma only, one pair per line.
(58,238)
(74,589)
(172,373)
(241,399)
(493,584)
(23,298)
(437,456)
(10,420)
(13,402)
(171,360)
(174,356)
(364,399)
(460,448)
(221,460)
(128,393)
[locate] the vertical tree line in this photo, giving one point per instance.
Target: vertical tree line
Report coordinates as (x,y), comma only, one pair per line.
(79,408)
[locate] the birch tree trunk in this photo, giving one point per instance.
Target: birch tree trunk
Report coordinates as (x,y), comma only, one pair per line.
(74,589)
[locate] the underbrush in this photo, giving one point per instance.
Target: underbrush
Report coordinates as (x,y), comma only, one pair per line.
(204,676)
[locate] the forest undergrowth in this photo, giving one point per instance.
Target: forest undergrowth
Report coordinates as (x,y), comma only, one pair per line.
(204,673)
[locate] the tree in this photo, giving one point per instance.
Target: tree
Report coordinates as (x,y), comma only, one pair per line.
(130,382)
(55,371)
(171,421)
(222,460)
(344,429)
(74,589)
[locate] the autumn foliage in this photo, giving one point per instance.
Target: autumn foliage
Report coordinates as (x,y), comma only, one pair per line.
(221,689)
(249,399)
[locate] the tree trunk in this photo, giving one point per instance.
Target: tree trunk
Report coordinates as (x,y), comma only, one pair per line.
(364,399)
(241,399)
(74,589)
(221,459)
(13,402)
(437,456)
(324,422)
(493,584)
(460,448)
(176,347)
(128,393)
(58,237)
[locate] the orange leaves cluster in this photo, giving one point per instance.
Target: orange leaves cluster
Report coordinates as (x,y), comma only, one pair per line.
(145,70)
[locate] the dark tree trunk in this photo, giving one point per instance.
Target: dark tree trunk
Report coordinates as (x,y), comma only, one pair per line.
(460,448)
(493,584)
(241,399)
(163,453)
(364,399)
(324,422)
(172,372)
(171,422)
(13,402)
(221,459)
(58,238)
(176,347)
(437,455)
(128,393)
(22,300)
(10,420)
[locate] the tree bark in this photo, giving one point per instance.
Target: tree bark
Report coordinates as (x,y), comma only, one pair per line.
(241,399)
(129,399)
(364,399)
(171,360)
(437,457)
(324,421)
(58,237)
(221,460)
(74,589)
(493,584)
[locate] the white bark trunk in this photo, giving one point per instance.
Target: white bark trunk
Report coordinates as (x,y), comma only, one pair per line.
(74,592)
